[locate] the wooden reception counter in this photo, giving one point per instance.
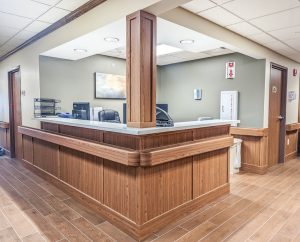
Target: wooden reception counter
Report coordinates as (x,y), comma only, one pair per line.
(138,179)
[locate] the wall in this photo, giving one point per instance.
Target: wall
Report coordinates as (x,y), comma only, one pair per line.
(71,81)
(247,47)
(177,82)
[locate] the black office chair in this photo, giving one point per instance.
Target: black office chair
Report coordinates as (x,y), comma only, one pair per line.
(110,116)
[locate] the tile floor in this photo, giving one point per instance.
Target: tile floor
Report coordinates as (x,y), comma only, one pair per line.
(259,208)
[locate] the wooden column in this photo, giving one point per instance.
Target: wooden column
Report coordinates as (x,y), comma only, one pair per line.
(141,70)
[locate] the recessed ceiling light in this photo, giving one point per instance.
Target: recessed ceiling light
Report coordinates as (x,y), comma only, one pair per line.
(80,50)
(111,39)
(187,41)
(164,49)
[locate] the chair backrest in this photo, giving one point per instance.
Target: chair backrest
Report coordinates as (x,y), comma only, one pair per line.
(109,115)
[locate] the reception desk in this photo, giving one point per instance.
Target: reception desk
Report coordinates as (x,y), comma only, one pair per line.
(138,179)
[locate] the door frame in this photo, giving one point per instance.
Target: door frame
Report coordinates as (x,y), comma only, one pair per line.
(283,102)
(11,109)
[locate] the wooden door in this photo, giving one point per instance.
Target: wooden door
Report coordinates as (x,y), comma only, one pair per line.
(15,115)
(277,107)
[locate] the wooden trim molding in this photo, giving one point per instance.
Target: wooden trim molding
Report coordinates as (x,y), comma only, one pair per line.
(293,126)
(4,125)
(249,131)
(122,156)
(60,23)
(159,156)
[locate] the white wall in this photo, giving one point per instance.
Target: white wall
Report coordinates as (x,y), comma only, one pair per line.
(247,47)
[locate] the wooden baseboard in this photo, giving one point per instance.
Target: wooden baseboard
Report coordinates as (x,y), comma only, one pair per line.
(261,170)
(138,232)
(290,156)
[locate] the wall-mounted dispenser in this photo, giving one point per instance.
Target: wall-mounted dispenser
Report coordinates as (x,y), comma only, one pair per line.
(198,94)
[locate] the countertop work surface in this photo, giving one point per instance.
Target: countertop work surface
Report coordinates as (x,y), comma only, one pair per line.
(122,128)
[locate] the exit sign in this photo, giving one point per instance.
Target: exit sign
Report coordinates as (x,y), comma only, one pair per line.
(230,70)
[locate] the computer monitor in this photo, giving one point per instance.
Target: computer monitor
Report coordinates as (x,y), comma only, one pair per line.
(81,110)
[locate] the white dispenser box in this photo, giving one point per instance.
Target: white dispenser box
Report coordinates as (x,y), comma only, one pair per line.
(229,105)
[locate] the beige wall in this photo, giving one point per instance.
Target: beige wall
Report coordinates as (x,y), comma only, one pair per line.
(58,75)
(247,47)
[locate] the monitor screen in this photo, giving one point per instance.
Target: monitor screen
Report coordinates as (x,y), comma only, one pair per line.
(81,107)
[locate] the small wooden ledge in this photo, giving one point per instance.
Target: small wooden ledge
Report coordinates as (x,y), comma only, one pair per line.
(292,127)
(4,125)
(261,132)
(163,155)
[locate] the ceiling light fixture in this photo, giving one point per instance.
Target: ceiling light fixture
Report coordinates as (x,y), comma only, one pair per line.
(164,49)
(80,50)
(111,39)
(187,41)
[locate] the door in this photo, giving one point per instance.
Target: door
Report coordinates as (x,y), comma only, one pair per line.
(15,116)
(277,109)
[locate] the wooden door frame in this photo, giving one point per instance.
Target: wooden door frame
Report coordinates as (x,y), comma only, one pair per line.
(282,108)
(11,110)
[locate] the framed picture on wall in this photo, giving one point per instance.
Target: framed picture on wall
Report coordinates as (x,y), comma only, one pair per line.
(110,86)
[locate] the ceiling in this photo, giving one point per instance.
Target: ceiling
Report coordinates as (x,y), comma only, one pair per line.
(168,33)
(272,23)
(22,19)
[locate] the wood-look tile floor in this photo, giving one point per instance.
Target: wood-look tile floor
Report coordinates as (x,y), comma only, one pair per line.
(259,208)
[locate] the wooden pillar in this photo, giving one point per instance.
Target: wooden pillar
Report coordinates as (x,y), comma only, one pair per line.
(141,70)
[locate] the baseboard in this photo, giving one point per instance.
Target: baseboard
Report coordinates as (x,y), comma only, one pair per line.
(139,232)
(290,156)
(261,170)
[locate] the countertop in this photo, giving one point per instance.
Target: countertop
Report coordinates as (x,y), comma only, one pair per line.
(122,128)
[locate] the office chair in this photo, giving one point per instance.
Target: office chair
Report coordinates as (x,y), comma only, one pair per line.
(108,115)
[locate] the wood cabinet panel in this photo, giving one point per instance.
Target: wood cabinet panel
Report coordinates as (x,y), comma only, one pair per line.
(50,127)
(122,140)
(27,148)
(210,132)
(170,184)
(89,134)
(210,170)
(164,139)
(120,188)
(45,156)
(291,143)
(82,171)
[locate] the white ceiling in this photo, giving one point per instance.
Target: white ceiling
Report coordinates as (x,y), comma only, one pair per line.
(22,19)
(167,33)
(272,23)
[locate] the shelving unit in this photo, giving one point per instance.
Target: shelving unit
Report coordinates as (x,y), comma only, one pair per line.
(44,107)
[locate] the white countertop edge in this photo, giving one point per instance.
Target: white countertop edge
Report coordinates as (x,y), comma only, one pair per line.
(122,128)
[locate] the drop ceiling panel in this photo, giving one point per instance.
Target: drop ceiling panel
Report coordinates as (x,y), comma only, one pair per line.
(25,34)
(261,38)
(13,21)
(7,31)
(48,2)
(280,20)
(199,5)
(257,8)
(287,33)
(53,15)
(276,45)
(220,16)
(37,26)
(24,8)
(71,5)
(244,28)
(220,2)
(294,43)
